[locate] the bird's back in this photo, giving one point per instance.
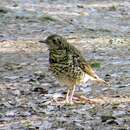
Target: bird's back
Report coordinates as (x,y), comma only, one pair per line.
(67,65)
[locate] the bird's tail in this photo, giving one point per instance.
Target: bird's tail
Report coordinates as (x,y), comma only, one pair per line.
(92,74)
(99,80)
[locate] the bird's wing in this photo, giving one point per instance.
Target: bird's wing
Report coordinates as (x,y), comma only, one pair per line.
(88,70)
(82,63)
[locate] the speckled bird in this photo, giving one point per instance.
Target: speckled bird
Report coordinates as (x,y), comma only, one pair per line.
(68,65)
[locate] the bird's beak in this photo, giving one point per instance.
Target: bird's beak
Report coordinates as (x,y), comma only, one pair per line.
(42,41)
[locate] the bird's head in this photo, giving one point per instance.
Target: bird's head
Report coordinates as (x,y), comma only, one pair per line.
(55,41)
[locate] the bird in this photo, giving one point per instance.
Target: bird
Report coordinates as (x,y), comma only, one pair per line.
(68,65)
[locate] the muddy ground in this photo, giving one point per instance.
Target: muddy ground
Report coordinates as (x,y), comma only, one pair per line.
(99,28)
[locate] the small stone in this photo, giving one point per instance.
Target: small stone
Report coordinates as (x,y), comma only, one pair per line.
(11,77)
(104,118)
(40,90)
(11,113)
(120,121)
(122,86)
(80,6)
(3,10)
(119,113)
(25,114)
(61,129)
(45,125)
(16,92)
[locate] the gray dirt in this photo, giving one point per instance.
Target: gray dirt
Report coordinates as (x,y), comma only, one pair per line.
(99,28)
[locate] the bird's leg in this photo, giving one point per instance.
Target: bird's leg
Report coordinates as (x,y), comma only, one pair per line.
(66,101)
(72,94)
(67,96)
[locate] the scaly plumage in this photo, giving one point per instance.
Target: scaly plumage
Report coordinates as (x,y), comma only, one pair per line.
(68,65)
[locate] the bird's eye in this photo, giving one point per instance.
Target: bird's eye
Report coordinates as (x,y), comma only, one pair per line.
(54,40)
(59,41)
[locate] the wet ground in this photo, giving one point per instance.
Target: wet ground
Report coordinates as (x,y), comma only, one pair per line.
(100,29)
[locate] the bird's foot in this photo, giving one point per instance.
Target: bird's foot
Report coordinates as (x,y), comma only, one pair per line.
(69,103)
(60,101)
(77,99)
(82,99)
